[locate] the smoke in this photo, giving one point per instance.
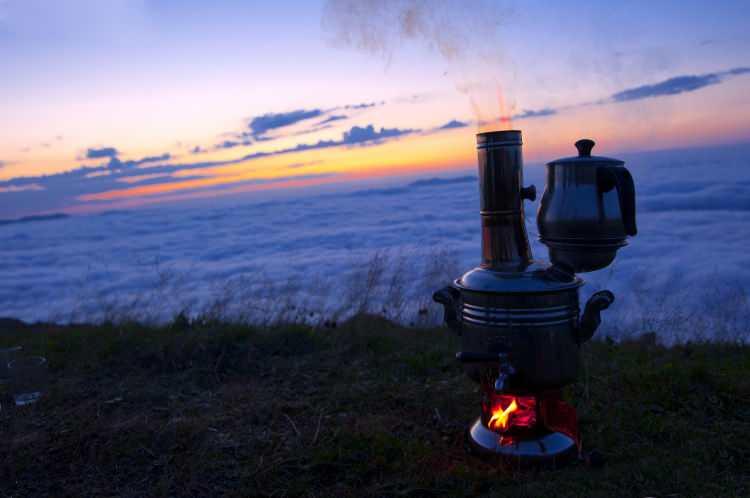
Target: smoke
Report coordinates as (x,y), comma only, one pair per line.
(464,33)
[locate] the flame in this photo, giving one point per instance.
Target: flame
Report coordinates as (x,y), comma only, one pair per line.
(504,112)
(501,416)
(503,120)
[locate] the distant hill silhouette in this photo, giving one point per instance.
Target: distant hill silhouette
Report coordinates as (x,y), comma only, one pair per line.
(427,182)
(41,217)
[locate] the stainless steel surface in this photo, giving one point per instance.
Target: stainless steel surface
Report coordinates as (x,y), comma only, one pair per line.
(587,209)
(582,256)
(505,368)
(538,330)
(505,371)
(505,243)
(536,277)
(518,318)
(511,303)
(553,446)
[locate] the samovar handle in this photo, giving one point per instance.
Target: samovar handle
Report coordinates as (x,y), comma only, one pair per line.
(450,298)
(591,318)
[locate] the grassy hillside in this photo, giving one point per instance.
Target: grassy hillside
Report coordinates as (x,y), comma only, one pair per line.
(366,409)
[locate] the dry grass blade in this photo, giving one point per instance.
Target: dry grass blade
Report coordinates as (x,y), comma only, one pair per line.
(317,429)
(294,426)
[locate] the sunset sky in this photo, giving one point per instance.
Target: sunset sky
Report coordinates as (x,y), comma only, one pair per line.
(119,103)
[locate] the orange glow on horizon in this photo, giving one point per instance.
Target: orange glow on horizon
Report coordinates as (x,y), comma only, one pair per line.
(408,155)
(544,139)
(615,127)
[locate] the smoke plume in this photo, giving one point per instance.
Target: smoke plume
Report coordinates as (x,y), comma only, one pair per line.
(464,33)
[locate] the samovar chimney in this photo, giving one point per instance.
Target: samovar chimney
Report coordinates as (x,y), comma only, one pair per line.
(505,243)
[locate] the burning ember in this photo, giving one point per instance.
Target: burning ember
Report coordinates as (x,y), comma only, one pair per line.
(506,411)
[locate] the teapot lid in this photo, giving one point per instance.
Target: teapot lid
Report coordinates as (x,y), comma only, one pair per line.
(584,156)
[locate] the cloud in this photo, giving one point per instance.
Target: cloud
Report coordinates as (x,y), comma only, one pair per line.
(413,98)
(672,86)
(198,150)
(230,144)
(116,164)
(676,85)
(302,164)
(453,123)
(433,182)
(260,125)
(738,71)
(526,113)
(153,159)
(3,164)
(356,135)
(20,188)
(32,219)
(69,188)
(410,225)
(361,135)
(414,186)
(364,105)
(332,118)
(103,152)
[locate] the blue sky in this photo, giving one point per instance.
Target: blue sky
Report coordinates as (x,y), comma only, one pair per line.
(174,87)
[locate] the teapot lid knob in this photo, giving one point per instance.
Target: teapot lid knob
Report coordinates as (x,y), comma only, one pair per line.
(584,147)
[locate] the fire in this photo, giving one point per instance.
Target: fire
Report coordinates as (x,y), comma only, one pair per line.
(505,411)
(501,416)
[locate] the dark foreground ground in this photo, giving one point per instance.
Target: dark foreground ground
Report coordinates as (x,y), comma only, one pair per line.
(367,409)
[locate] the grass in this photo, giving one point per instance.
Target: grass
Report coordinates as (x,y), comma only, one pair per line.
(366,409)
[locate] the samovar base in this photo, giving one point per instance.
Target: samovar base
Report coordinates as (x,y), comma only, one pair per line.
(552,448)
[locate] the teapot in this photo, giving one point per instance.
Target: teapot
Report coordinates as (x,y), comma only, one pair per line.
(587,210)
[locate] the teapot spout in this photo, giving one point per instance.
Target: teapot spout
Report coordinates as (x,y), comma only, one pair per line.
(591,318)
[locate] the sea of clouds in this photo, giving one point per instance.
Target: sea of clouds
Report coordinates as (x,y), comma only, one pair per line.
(385,249)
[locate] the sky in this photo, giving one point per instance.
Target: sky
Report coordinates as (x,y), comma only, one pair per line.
(125,103)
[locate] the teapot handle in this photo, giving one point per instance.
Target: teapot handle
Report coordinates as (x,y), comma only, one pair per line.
(623,180)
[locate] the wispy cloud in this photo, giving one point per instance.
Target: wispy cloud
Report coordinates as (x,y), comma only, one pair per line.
(738,71)
(361,135)
(364,105)
(230,144)
(453,123)
(669,87)
(332,118)
(154,159)
(270,126)
(89,183)
(302,164)
(260,125)
(676,85)
(21,188)
(100,153)
(356,135)
(672,86)
(526,113)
